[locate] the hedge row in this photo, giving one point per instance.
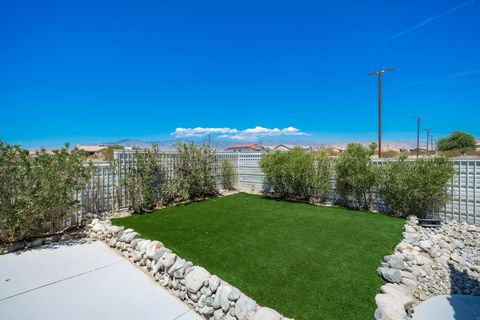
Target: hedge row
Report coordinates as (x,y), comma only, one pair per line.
(407,187)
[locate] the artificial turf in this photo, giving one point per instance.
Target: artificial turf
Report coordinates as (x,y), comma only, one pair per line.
(305,261)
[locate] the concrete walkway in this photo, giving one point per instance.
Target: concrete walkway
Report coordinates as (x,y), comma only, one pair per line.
(82,281)
(449,307)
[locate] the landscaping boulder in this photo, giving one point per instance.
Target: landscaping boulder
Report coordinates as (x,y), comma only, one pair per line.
(389,308)
(195,279)
(179,264)
(390,275)
(152,249)
(213,283)
(395,262)
(266,314)
(128,236)
(245,307)
(399,293)
(221,298)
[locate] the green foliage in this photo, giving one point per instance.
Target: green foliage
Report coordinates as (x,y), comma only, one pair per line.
(228,174)
(356,176)
(37,190)
(108,153)
(459,141)
(144,179)
(416,187)
(298,174)
(194,175)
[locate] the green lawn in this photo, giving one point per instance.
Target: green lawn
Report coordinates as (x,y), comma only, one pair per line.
(305,261)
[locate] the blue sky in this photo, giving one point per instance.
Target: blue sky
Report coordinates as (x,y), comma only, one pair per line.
(96,71)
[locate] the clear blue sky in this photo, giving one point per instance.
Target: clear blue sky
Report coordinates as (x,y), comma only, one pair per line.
(95,71)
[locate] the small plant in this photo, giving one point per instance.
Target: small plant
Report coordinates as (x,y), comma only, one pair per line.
(298,174)
(416,187)
(356,176)
(228,174)
(38,190)
(144,179)
(194,174)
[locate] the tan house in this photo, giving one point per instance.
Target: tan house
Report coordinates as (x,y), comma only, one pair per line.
(391,147)
(91,150)
(334,150)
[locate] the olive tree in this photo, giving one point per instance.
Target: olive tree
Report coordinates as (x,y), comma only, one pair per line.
(39,189)
(228,174)
(416,187)
(144,178)
(194,173)
(356,176)
(298,174)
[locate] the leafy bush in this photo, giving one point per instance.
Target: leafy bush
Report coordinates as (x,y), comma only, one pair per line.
(228,174)
(458,140)
(356,176)
(298,174)
(194,175)
(143,180)
(37,190)
(416,187)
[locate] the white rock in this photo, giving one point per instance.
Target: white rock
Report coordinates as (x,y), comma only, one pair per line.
(245,307)
(213,283)
(221,298)
(389,308)
(398,293)
(195,279)
(266,314)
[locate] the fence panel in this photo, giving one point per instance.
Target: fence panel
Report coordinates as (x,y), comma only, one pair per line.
(104,193)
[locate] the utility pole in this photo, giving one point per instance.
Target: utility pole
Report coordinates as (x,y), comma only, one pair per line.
(428,138)
(418,134)
(379,73)
(431,144)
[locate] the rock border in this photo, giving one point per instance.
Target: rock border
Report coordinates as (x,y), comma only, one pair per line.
(207,294)
(426,263)
(46,240)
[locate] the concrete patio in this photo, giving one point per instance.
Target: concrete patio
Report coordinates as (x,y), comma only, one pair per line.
(81,281)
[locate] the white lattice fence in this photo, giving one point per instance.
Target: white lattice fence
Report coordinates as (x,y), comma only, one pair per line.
(105,193)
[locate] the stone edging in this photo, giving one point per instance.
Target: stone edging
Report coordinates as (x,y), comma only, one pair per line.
(207,294)
(37,242)
(426,263)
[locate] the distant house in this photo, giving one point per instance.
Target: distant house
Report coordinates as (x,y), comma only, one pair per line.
(269,148)
(91,150)
(244,148)
(477,146)
(391,147)
(286,147)
(334,150)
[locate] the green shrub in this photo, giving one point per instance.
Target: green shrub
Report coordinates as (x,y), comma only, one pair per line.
(459,141)
(356,176)
(416,187)
(298,174)
(228,174)
(143,180)
(194,175)
(38,190)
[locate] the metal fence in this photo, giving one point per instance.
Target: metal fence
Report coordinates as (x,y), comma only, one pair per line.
(105,193)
